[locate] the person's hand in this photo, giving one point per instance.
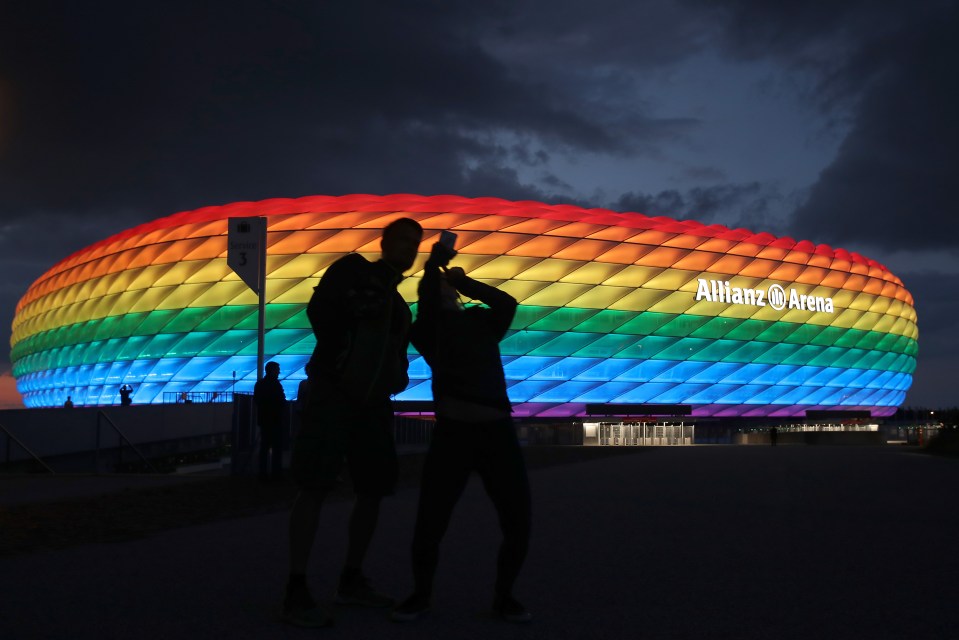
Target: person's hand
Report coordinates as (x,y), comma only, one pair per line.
(455,276)
(441,255)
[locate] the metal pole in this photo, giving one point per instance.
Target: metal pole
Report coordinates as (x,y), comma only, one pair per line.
(261,319)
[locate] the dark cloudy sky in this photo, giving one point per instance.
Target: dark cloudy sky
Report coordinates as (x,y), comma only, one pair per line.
(833,121)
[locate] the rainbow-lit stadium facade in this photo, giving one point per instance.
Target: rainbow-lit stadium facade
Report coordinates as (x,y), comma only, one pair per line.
(614,308)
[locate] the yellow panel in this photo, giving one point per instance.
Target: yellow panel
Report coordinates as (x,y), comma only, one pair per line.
(639,300)
(210,271)
(869,321)
(593,273)
(183,296)
(306,265)
(150,299)
(599,297)
(149,276)
(671,280)
(634,276)
(549,270)
(861,301)
(522,289)
(221,293)
(290,291)
(676,302)
(504,267)
(557,294)
(179,273)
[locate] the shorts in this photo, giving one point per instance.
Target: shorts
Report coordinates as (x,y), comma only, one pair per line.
(361,436)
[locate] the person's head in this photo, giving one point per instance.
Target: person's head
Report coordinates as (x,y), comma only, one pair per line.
(272,369)
(400,243)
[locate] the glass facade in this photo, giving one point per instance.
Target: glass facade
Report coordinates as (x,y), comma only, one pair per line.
(614,307)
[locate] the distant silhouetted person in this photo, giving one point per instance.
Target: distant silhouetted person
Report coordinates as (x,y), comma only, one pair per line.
(773,435)
(302,399)
(474,429)
(270,402)
(68,404)
(361,324)
(125,399)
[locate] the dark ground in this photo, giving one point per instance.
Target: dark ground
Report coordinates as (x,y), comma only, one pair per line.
(682,542)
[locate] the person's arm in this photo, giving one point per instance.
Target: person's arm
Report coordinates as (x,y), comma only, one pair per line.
(429,303)
(501,304)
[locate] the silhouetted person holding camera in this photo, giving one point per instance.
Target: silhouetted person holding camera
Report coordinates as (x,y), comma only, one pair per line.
(361,324)
(270,402)
(125,392)
(474,430)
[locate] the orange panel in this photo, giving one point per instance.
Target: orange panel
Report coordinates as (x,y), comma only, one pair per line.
(697,261)
(625,253)
(663,257)
(495,244)
(731,264)
(584,250)
(759,268)
(541,246)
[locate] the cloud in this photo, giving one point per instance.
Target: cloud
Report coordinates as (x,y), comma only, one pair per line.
(734,205)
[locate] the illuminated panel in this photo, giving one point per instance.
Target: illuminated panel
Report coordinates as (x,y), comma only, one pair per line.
(614,307)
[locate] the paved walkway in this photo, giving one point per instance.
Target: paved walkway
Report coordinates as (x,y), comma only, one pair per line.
(695,542)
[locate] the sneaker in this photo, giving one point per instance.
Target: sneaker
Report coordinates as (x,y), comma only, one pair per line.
(360,592)
(509,609)
(411,609)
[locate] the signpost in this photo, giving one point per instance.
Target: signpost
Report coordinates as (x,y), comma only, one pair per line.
(246,255)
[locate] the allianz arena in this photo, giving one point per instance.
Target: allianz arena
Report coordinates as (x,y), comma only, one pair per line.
(615,308)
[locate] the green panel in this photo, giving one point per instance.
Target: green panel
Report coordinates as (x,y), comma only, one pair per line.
(777,332)
(828,336)
(606,347)
(565,344)
(299,320)
(684,349)
(160,345)
(848,339)
(803,355)
(111,349)
(275,314)
(747,352)
(193,343)
(719,350)
(648,347)
(748,330)
(523,342)
(155,321)
(303,347)
(681,326)
(226,318)
(230,343)
(606,321)
(805,333)
(717,327)
(125,325)
(563,319)
(869,340)
(188,319)
(528,314)
(645,324)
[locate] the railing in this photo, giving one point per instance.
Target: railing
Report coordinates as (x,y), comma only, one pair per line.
(14,438)
(96,455)
(198,397)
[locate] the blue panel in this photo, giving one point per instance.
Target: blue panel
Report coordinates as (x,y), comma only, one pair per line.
(523,391)
(565,369)
(525,367)
(679,372)
(419,370)
(198,368)
(680,393)
(644,393)
(645,371)
(607,369)
(238,364)
(715,372)
(746,373)
(605,392)
(774,374)
(565,392)
(166,368)
(712,394)
(418,390)
(139,369)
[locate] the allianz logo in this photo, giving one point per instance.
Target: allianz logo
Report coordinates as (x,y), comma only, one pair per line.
(775,296)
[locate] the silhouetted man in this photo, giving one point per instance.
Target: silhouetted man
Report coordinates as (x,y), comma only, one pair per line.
(270,402)
(361,325)
(125,392)
(474,429)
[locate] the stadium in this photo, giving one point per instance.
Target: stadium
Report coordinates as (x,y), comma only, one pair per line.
(615,309)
